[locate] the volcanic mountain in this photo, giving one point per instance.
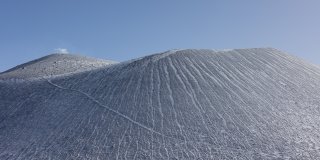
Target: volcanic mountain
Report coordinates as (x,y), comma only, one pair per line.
(256,103)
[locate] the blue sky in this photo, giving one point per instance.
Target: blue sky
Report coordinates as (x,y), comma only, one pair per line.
(124,29)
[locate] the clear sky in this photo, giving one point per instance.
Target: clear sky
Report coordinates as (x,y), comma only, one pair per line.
(124,29)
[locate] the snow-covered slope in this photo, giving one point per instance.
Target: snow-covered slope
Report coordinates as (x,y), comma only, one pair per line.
(53,65)
(182,104)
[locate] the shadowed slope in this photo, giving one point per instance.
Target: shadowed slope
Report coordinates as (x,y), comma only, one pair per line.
(182,104)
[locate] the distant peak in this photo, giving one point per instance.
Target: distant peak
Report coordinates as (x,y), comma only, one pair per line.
(54,64)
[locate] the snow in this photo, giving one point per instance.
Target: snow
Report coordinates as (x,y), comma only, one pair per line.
(256,103)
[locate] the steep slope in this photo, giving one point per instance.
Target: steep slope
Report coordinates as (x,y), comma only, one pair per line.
(182,104)
(53,65)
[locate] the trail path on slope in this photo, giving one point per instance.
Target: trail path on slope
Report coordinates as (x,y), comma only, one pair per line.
(112,110)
